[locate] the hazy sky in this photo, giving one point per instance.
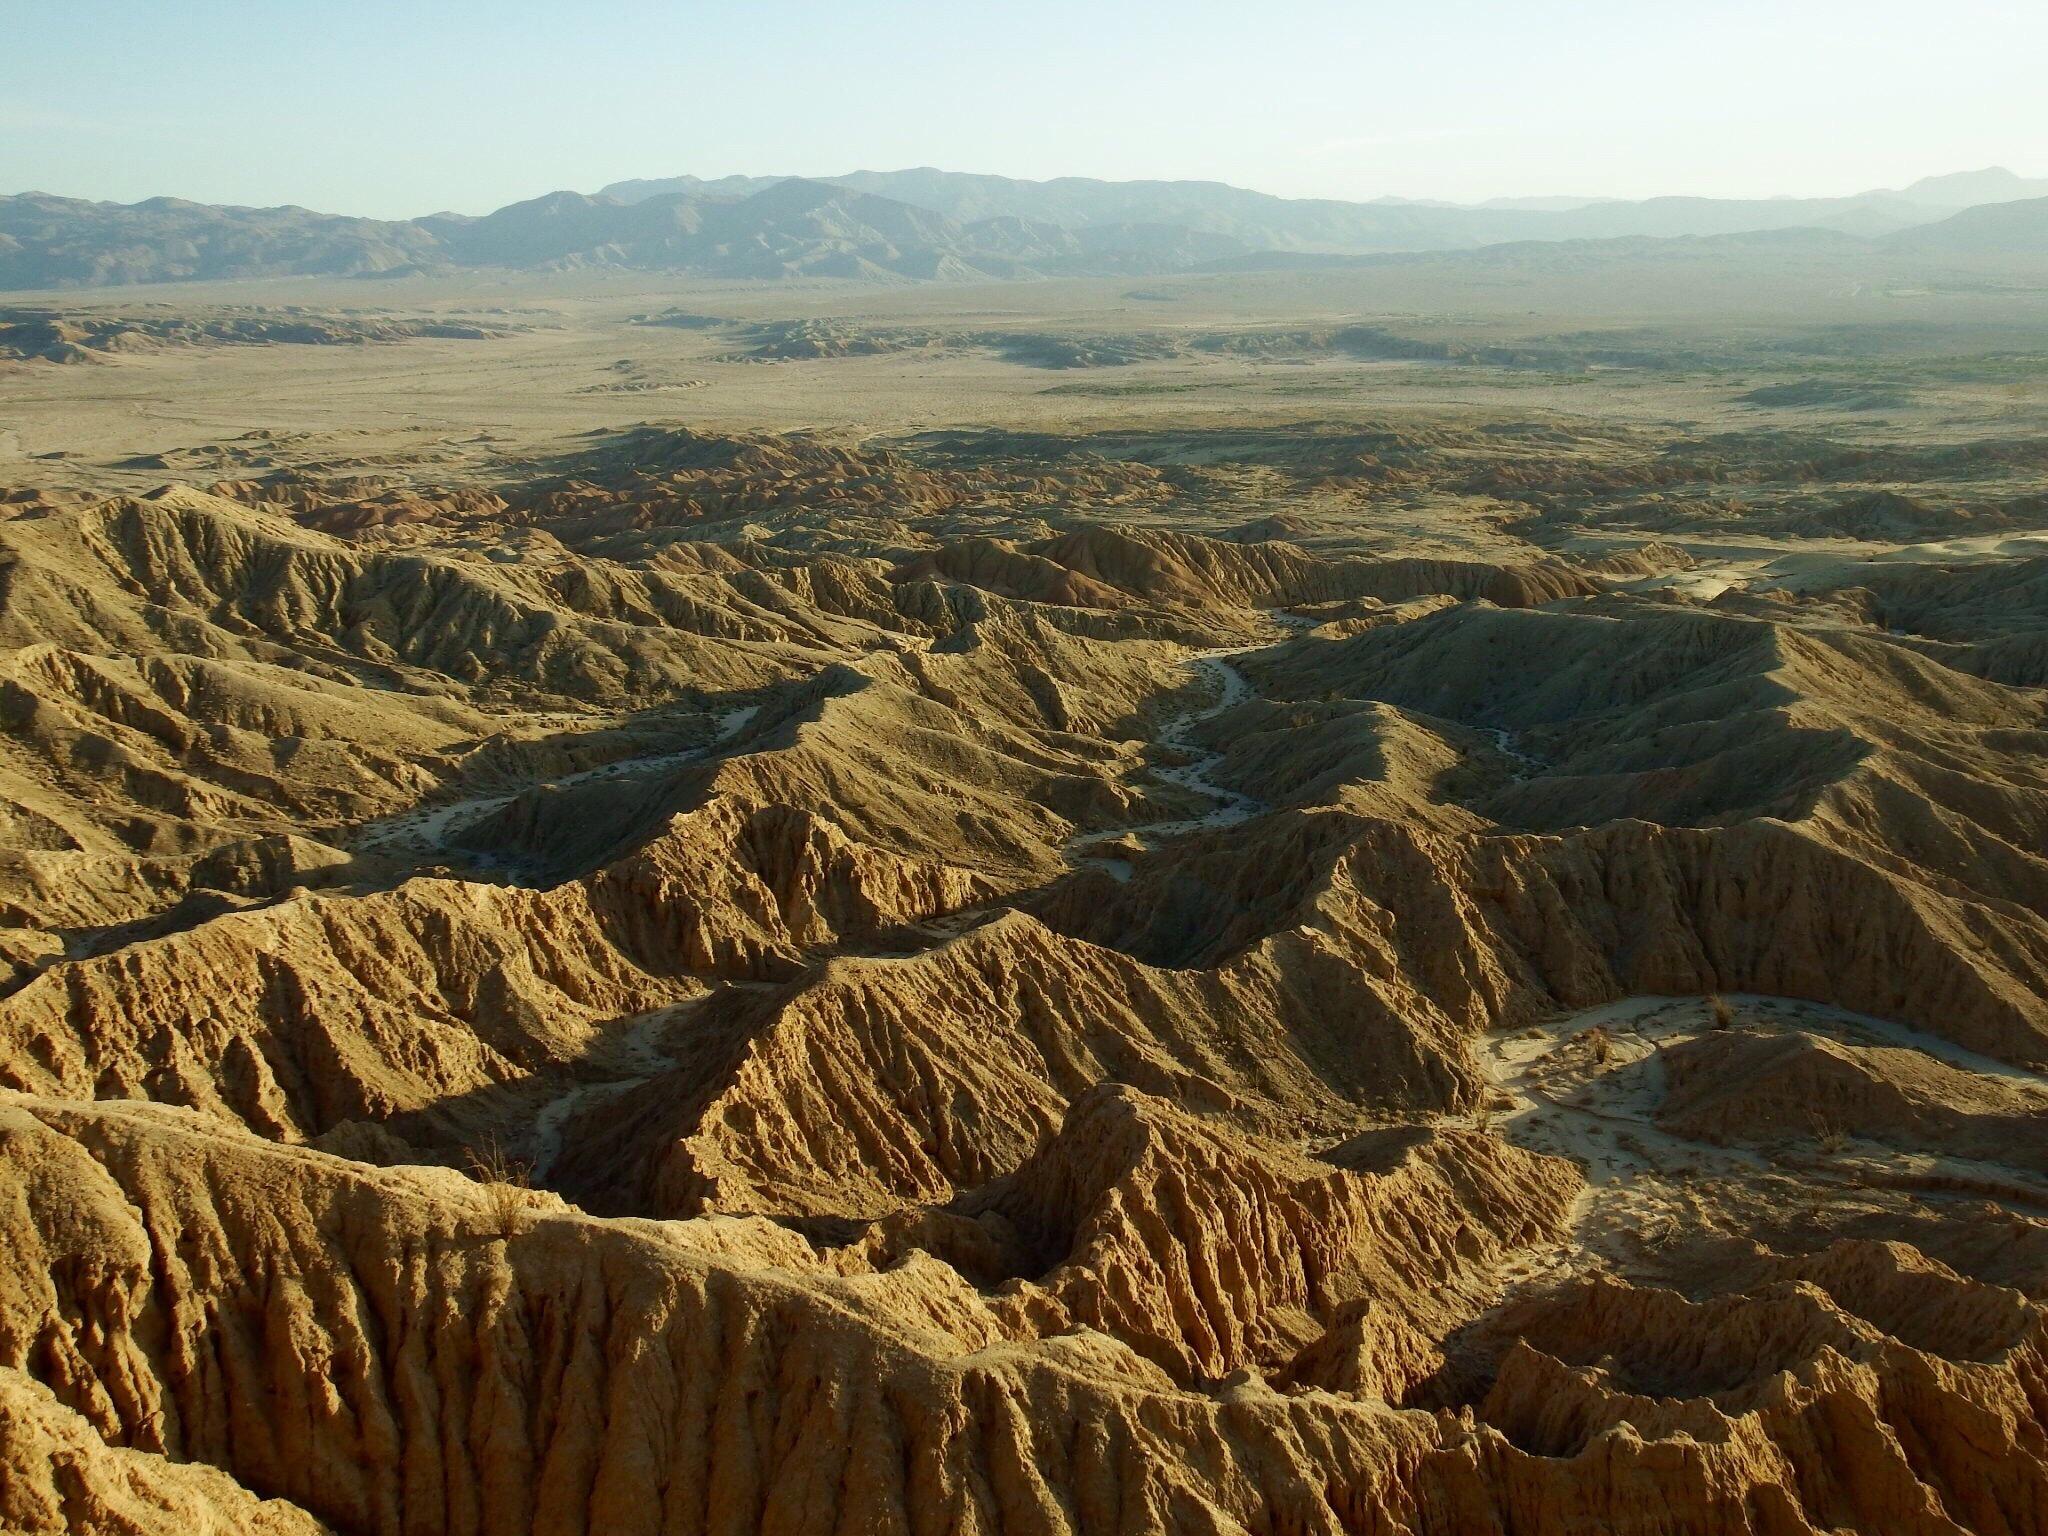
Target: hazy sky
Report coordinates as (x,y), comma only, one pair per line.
(396,109)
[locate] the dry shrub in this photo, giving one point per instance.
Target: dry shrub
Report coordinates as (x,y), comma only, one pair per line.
(1829,1137)
(1722,1015)
(505,1180)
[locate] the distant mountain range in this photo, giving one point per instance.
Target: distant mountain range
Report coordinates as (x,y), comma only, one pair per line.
(929,224)
(1261,221)
(1996,227)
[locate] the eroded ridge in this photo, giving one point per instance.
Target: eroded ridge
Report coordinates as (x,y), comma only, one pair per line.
(983,982)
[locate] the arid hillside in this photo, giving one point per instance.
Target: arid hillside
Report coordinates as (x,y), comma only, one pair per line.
(1417,963)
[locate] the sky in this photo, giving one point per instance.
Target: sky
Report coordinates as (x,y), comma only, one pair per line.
(394,110)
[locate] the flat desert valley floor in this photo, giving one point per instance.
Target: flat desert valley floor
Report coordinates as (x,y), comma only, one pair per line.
(1394,897)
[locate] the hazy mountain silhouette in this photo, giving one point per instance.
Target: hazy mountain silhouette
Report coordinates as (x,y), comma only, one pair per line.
(1967,189)
(1265,222)
(921,224)
(2004,228)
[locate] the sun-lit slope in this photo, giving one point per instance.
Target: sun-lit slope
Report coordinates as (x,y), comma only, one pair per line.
(189,672)
(541,1369)
(204,575)
(295,1016)
(1739,1087)
(1111,567)
(990,749)
(525,1370)
(62,1476)
(874,1082)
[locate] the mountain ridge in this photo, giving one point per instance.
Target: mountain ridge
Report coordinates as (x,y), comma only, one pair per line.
(916,225)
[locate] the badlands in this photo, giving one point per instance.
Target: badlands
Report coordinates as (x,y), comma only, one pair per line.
(1405,900)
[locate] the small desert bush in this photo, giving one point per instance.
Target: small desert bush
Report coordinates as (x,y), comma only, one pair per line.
(505,1180)
(1722,1015)
(1828,1136)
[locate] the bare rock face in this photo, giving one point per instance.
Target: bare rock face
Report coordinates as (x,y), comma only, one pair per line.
(61,1476)
(1210,1255)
